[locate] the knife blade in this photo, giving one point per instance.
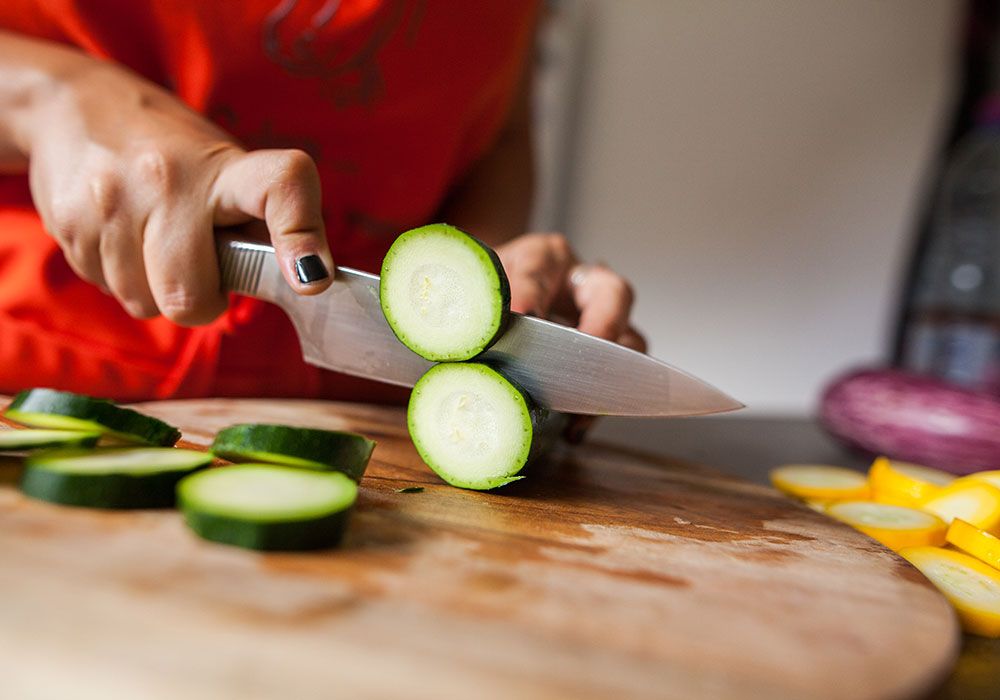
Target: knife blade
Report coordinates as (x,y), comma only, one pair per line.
(343,329)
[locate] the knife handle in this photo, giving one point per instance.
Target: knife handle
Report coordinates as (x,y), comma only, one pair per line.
(248,268)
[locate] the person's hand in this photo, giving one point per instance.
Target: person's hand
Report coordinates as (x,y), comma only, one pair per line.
(547,280)
(131,183)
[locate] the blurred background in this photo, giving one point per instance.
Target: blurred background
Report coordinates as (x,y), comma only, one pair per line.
(761,171)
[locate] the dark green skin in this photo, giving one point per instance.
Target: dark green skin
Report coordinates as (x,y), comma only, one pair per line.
(110,491)
(124,422)
(341,451)
(299,535)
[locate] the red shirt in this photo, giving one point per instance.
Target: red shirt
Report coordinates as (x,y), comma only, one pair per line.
(394,99)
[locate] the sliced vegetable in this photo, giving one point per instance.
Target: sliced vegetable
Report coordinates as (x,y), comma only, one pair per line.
(896,527)
(268,507)
(308,448)
(976,502)
(62,410)
(474,427)
(820,482)
(110,477)
(914,418)
(19,440)
(979,543)
(990,477)
(905,484)
(971,586)
(444,293)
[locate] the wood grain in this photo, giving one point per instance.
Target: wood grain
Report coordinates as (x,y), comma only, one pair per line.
(605,574)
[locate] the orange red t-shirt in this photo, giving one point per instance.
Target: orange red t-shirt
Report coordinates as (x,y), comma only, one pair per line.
(394,99)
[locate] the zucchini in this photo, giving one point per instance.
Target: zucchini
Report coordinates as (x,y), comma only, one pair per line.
(476,428)
(444,293)
(268,507)
(19,440)
(110,477)
(62,410)
(308,448)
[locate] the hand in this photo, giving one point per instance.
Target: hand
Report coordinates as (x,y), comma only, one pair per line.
(131,183)
(546,279)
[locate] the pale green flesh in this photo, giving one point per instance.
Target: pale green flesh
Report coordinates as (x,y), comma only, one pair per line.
(470,425)
(276,458)
(267,493)
(25,439)
(55,421)
(124,460)
(441,294)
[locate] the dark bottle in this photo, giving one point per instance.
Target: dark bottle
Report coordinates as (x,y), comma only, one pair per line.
(953,327)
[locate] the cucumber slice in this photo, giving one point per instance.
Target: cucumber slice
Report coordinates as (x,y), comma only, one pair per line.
(474,427)
(62,410)
(307,448)
(110,477)
(19,440)
(444,293)
(267,507)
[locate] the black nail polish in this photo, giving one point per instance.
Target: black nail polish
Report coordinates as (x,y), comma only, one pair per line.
(310,268)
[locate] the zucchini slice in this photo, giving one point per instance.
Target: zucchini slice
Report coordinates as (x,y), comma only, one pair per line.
(62,410)
(28,439)
(268,507)
(308,448)
(474,427)
(444,293)
(110,477)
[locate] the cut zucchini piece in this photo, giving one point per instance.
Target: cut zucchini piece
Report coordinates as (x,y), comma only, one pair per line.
(30,439)
(971,586)
(896,527)
(268,507)
(308,448)
(820,482)
(905,484)
(474,427)
(62,410)
(110,477)
(444,293)
(979,543)
(975,502)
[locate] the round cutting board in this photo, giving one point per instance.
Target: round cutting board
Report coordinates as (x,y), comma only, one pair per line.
(605,573)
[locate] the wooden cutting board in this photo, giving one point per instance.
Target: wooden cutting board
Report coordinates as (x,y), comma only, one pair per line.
(607,573)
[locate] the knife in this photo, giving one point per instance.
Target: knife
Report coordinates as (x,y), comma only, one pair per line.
(343,329)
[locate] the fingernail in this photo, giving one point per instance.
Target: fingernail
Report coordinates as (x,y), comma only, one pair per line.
(310,269)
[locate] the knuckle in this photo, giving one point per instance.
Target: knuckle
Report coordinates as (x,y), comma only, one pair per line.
(294,164)
(105,193)
(179,305)
(559,244)
(157,169)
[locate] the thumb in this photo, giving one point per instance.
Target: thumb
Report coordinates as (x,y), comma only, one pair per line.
(281,188)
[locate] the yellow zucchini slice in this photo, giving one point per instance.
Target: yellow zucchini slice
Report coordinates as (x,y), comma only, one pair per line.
(976,502)
(905,484)
(971,586)
(820,482)
(896,527)
(979,543)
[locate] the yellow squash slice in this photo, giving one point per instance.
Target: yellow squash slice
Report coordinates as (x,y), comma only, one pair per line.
(896,527)
(979,543)
(976,502)
(820,482)
(990,477)
(971,586)
(905,484)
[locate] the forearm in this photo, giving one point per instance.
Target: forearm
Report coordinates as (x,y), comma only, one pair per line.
(29,70)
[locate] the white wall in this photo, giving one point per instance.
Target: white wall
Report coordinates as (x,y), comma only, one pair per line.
(754,167)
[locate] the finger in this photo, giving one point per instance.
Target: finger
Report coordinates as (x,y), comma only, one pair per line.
(124,270)
(282,188)
(178,250)
(537,268)
(577,429)
(604,300)
(631,338)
